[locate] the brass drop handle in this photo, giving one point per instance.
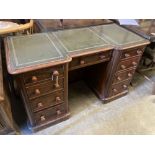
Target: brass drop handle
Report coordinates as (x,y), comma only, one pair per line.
(139,52)
(56,75)
(82,62)
(129,75)
(40,105)
(58,99)
(127,55)
(34,78)
(42,118)
(118,78)
(58,112)
(102,56)
(123,66)
(37,91)
(115,90)
(124,86)
(134,63)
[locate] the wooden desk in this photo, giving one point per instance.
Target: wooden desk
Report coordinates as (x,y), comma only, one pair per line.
(39,63)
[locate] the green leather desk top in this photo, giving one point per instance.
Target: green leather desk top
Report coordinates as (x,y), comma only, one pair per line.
(117,35)
(32,50)
(26,53)
(82,40)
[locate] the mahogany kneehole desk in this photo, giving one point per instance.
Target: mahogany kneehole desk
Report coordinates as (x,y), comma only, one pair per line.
(40,64)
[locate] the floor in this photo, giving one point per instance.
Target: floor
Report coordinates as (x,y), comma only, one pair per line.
(131,114)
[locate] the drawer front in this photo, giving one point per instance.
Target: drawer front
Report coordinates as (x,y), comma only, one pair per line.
(119,77)
(39,75)
(118,88)
(44,88)
(91,59)
(47,101)
(133,62)
(51,113)
(131,53)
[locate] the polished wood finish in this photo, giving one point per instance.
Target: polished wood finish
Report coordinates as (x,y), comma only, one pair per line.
(108,66)
(119,77)
(40,75)
(45,102)
(83,61)
(43,88)
(49,100)
(113,82)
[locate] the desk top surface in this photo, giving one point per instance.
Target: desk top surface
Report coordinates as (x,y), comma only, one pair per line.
(24,53)
(31,52)
(118,36)
(81,40)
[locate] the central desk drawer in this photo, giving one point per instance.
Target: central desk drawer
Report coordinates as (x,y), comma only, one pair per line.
(89,59)
(119,77)
(39,75)
(44,88)
(47,101)
(133,62)
(50,113)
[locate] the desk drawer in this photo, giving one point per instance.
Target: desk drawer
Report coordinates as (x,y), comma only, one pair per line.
(39,75)
(133,62)
(90,59)
(118,88)
(119,77)
(47,101)
(131,53)
(51,113)
(44,88)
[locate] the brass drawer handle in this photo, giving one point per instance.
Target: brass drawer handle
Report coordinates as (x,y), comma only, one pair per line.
(82,62)
(40,105)
(127,55)
(118,78)
(58,99)
(34,78)
(139,52)
(102,56)
(42,118)
(134,64)
(115,90)
(37,91)
(123,66)
(56,77)
(124,86)
(129,75)
(58,112)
